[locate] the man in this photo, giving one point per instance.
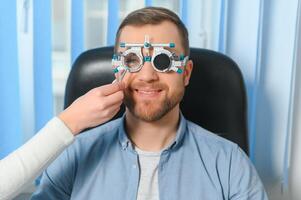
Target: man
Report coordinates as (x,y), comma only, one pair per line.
(152,152)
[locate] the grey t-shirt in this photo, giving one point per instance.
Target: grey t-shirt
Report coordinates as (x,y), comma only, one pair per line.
(148,183)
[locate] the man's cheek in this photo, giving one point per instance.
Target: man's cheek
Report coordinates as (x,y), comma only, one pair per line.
(127,80)
(127,94)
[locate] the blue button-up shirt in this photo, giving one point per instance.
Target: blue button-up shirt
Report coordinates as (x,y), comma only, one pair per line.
(103,165)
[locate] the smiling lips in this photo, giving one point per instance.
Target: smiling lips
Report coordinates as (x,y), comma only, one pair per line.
(148,92)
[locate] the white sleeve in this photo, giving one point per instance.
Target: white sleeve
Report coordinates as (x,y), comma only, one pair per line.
(27,162)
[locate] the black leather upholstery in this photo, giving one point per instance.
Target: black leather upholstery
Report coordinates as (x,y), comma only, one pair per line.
(215,98)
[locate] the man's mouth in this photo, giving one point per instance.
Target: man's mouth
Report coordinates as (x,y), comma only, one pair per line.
(148,92)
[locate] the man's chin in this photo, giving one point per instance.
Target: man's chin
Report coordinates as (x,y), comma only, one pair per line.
(150,110)
(148,114)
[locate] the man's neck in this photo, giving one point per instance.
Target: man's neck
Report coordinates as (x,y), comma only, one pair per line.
(153,136)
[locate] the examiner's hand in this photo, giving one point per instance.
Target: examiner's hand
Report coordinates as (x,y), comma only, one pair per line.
(97,106)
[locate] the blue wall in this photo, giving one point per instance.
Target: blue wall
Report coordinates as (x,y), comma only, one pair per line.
(10,115)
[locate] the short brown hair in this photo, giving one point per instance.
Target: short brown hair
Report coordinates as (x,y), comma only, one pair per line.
(155,15)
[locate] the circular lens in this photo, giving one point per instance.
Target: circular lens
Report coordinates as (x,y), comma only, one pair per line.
(131,60)
(162,62)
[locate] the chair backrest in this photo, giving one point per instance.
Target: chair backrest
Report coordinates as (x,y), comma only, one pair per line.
(215,98)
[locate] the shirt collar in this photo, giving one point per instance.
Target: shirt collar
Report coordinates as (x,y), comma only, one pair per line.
(180,133)
(123,138)
(125,141)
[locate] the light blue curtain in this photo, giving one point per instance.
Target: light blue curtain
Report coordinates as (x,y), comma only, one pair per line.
(238,21)
(42,62)
(183,11)
(222,26)
(77,28)
(113,21)
(10,116)
(148,2)
(261,37)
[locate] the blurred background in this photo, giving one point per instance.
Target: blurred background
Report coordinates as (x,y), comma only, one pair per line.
(39,41)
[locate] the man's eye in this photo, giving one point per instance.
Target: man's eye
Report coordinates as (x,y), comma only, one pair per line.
(132,60)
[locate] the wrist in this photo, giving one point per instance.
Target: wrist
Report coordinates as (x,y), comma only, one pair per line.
(70,123)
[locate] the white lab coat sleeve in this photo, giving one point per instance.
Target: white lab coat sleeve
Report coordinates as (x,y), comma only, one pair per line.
(27,162)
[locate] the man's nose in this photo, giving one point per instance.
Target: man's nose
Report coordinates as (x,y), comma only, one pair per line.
(147,73)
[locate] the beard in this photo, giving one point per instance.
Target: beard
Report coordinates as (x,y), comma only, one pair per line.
(154,109)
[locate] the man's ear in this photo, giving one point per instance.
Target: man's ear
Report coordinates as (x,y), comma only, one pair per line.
(187,72)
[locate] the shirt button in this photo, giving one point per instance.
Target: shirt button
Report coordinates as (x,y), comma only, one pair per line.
(134,166)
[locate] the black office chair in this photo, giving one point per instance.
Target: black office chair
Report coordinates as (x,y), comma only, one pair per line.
(215,98)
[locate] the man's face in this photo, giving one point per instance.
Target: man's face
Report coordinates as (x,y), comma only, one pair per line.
(149,94)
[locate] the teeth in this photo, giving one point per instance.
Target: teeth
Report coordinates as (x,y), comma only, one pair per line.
(147,92)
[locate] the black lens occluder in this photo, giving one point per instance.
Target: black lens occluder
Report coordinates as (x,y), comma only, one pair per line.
(162,62)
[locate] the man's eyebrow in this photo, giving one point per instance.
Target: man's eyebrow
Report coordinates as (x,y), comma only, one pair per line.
(122,49)
(172,50)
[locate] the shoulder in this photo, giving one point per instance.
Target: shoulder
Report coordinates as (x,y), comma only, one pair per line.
(225,158)
(209,142)
(220,153)
(97,137)
(89,143)
(101,132)
(226,161)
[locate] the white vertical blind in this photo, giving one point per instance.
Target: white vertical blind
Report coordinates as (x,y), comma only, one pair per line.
(261,37)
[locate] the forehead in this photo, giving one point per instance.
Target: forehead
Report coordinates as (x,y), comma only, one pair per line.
(164,32)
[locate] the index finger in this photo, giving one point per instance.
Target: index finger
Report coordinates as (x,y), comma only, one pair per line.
(111,88)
